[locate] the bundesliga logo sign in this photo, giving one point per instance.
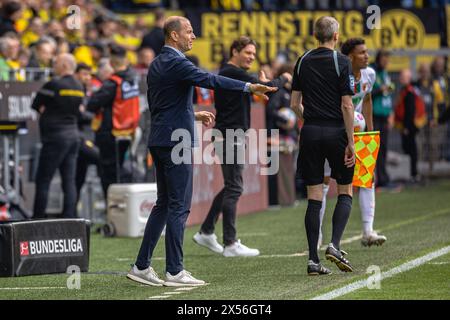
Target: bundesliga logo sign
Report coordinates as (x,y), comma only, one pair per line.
(58,246)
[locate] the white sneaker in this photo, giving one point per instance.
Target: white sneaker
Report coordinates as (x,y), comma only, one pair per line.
(237,249)
(183,278)
(147,276)
(373,239)
(209,241)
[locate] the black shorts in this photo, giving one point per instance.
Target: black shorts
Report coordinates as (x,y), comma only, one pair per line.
(318,143)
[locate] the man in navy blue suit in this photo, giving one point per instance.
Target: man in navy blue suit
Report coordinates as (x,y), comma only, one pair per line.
(171,79)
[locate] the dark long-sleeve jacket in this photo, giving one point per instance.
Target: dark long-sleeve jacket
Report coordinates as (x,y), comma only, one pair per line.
(233,107)
(171,80)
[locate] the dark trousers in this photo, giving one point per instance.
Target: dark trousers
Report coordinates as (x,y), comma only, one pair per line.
(58,154)
(174,183)
(226,200)
(409,146)
(112,156)
(381,124)
(87,154)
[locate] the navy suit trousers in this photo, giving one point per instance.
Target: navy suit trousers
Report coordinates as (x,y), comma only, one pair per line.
(174,183)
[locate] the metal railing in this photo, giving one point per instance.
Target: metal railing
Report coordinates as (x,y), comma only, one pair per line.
(27,74)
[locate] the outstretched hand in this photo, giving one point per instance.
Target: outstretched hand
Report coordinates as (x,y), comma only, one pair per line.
(261,90)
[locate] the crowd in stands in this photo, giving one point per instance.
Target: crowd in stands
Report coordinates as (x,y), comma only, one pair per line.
(33,32)
(133,5)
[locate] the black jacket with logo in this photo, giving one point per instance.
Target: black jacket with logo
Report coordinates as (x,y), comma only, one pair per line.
(61,97)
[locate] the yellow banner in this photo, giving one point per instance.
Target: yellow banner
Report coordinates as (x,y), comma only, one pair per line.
(293,30)
(447,15)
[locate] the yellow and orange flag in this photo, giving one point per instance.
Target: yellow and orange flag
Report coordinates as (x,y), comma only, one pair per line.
(367,145)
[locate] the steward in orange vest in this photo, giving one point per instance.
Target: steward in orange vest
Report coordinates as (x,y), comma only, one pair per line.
(116,106)
(203,97)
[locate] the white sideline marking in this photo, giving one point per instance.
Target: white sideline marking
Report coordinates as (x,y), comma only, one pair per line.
(132,259)
(33,288)
(348,240)
(254,234)
(185,289)
(298,254)
(158,297)
(394,271)
(439,263)
(173,292)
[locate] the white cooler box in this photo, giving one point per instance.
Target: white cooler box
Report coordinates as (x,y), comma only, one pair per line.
(129,206)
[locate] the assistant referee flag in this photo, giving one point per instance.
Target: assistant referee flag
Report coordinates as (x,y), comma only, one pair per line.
(367,145)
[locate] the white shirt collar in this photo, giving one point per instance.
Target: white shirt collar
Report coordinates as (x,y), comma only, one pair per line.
(181,54)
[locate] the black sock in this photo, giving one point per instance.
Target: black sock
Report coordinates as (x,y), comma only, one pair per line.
(340,218)
(312,224)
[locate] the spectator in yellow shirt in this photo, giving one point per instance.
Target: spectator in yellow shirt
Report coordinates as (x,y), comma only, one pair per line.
(34,32)
(126,40)
(90,54)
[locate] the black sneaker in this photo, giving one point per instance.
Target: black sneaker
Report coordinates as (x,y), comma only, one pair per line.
(337,256)
(317,269)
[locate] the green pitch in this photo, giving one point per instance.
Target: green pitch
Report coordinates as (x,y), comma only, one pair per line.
(416,222)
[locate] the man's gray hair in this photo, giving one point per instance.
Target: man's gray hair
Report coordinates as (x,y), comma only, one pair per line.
(324,28)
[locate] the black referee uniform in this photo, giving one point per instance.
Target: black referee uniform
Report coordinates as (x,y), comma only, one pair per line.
(61,98)
(323,134)
(323,77)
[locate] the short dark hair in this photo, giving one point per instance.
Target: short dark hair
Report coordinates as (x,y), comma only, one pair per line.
(348,46)
(171,25)
(83,66)
(10,7)
(241,43)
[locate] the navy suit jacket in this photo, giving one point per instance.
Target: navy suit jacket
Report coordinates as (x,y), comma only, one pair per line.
(170,81)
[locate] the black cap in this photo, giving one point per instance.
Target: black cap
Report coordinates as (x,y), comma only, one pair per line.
(98,45)
(117,51)
(83,66)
